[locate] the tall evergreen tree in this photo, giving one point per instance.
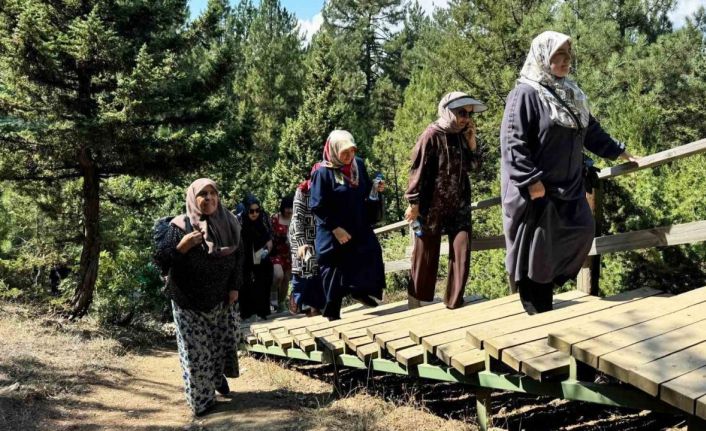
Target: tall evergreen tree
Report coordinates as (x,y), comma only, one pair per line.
(100,88)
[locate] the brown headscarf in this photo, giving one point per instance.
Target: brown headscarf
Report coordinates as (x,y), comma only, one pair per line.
(221,229)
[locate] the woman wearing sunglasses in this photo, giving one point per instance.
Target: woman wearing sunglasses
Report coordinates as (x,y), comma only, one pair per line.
(439,196)
(257,245)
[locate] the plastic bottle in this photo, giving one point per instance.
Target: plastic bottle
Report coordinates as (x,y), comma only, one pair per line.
(374,195)
(416,226)
(264,253)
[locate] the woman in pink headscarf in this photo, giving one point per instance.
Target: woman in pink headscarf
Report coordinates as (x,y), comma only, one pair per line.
(203,252)
(439,195)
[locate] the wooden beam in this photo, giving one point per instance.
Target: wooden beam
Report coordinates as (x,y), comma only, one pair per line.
(654,160)
(656,237)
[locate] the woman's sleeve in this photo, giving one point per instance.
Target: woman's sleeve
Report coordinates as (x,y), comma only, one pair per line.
(321,191)
(166,254)
(601,143)
(519,124)
(420,160)
(298,238)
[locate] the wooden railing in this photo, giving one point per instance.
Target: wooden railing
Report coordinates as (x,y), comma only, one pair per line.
(686,233)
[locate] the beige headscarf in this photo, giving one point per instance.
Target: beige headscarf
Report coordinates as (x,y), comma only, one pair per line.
(536,73)
(221,229)
(337,141)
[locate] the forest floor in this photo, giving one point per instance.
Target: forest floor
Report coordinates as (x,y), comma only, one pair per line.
(60,376)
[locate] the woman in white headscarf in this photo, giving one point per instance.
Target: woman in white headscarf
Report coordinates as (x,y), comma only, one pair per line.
(548,224)
(347,250)
(203,251)
(439,196)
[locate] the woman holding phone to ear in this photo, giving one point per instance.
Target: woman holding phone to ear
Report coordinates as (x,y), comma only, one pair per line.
(548,224)
(439,196)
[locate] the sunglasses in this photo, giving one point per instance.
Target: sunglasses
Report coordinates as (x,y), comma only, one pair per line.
(254,210)
(464,114)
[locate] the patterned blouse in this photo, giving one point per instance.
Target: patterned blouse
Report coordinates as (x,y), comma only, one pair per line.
(197,280)
(302,231)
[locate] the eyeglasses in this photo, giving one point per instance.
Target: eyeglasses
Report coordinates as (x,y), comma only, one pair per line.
(464,114)
(254,210)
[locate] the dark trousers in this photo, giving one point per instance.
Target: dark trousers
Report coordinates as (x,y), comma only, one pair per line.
(425,265)
(536,297)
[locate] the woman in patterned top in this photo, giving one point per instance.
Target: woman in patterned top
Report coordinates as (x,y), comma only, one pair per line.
(281,258)
(307,289)
(204,254)
(439,195)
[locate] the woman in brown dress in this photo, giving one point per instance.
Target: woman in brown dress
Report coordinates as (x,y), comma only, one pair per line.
(439,196)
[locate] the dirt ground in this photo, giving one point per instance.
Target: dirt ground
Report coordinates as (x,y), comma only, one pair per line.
(61,376)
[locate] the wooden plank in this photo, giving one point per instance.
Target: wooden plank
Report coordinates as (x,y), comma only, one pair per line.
(355,343)
(654,160)
(410,356)
(649,375)
(485,311)
(591,350)
(308,345)
(336,346)
(407,314)
(285,341)
(701,407)
(563,339)
(391,227)
(446,352)
(470,362)
(368,352)
(620,362)
(543,367)
(515,356)
(685,233)
(575,315)
(477,244)
(380,310)
(479,333)
(397,345)
(683,391)
(251,340)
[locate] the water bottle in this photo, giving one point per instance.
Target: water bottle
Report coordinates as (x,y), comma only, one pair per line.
(374,191)
(264,253)
(417,227)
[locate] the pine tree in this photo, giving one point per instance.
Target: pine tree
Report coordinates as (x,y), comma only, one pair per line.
(97,88)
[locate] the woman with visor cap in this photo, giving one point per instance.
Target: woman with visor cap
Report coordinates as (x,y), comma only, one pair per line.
(439,196)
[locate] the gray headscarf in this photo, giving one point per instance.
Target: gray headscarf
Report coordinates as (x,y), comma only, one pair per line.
(221,229)
(447,119)
(536,73)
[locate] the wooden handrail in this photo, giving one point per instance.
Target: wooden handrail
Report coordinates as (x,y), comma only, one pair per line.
(651,161)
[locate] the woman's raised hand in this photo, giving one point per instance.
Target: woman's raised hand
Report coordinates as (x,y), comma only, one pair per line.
(536,190)
(189,241)
(341,235)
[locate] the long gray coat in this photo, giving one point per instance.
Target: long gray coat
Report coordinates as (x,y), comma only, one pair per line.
(549,238)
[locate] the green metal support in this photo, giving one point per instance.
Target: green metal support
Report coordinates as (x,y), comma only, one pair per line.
(483,411)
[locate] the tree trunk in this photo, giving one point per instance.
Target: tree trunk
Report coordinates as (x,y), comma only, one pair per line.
(88,270)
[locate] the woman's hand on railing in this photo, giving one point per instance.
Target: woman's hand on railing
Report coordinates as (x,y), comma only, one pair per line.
(411,213)
(629,157)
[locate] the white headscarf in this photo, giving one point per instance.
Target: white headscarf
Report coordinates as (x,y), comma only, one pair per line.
(536,73)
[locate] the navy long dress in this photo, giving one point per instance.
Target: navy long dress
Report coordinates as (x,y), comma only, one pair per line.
(355,267)
(548,238)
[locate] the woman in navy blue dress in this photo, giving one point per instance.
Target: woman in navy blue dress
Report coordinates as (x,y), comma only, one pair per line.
(347,250)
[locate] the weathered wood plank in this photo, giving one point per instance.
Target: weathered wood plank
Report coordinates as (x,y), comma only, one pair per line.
(563,339)
(685,233)
(649,374)
(368,352)
(380,310)
(469,362)
(401,344)
(516,355)
(446,352)
(410,356)
(398,265)
(683,391)
(619,363)
(575,315)
(654,160)
(591,350)
(543,367)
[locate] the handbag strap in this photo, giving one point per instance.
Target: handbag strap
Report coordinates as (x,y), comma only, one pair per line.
(565,105)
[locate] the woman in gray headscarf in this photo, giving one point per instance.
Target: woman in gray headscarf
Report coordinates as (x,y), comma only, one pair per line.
(204,254)
(547,221)
(439,196)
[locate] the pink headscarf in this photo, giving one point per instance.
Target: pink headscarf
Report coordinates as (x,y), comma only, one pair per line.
(221,229)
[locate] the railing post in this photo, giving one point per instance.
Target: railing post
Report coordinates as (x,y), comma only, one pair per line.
(587,280)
